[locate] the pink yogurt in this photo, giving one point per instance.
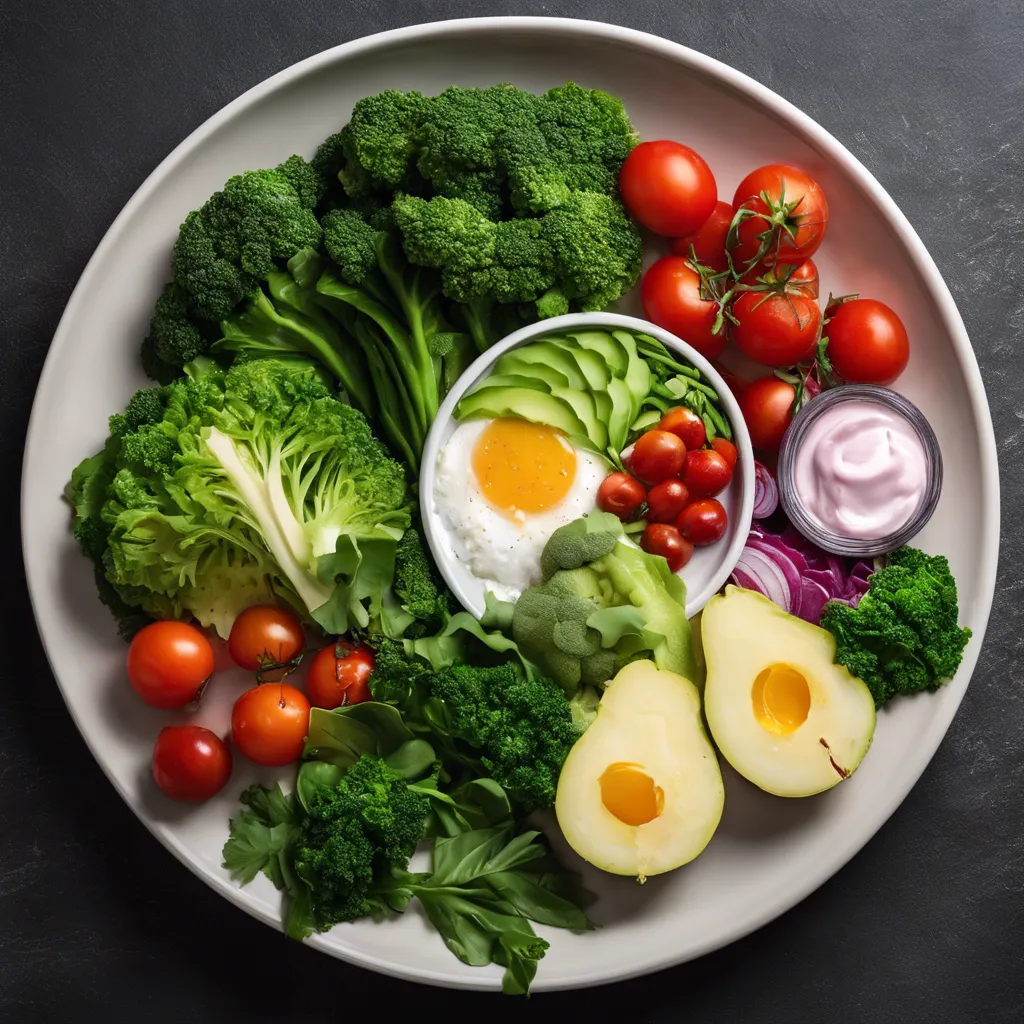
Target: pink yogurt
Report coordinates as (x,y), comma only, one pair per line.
(861,470)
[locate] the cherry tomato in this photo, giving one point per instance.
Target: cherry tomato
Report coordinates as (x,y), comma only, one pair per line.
(190,763)
(726,449)
(671,296)
(767,407)
(794,280)
(708,241)
(867,342)
(776,329)
(334,681)
(660,539)
(702,522)
(656,456)
(796,215)
(620,494)
(666,500)
(804,280)
(706,473)
(269,724)
(686,425)
(168,662)
(667,187)
(265,635)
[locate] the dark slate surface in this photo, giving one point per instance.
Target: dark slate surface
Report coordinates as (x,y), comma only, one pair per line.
(98,922)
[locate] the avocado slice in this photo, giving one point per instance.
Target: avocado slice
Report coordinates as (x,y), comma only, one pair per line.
(583,404)
(527,404)
(780,710)
(511,380)
(549,353)
(621,414)
(511,363)
(595,370)
(607,347)
(638,376)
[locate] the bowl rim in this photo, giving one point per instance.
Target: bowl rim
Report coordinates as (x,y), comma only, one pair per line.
(435,533)
(35,545)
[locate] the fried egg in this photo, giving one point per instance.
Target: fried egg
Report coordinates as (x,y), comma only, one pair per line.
(502,487)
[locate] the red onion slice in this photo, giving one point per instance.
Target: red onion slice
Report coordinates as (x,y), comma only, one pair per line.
(766,492)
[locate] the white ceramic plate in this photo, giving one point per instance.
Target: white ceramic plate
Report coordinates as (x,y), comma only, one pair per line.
(706,572)
(768,853)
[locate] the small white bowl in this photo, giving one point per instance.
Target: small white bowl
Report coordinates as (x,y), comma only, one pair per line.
(706,572)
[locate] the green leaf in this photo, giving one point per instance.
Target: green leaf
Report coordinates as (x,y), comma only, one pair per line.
(412,759)
(520,850)
(527,893)
(299,922)
(313,775)
(459,859)
(260,835)
(360,570)
(619,621)
(343,735)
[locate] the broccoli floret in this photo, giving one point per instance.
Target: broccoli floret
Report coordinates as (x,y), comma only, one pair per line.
(576,141)
(602,603)
(522,727)
(493,718)
(355,833)
(378,146)
(501,146)
(416,585)
(585,254)
(175,336)
(903,636)
(240,235)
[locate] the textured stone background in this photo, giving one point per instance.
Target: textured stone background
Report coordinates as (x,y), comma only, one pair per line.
(98,922)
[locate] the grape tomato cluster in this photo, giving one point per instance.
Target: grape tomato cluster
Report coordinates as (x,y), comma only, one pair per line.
(742,272)
(170,663)
(672,478)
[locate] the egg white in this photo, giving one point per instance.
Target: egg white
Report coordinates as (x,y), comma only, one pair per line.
(502,552)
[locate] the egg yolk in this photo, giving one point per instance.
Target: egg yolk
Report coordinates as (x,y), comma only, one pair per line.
(630,793)
(523,467)
(781,698)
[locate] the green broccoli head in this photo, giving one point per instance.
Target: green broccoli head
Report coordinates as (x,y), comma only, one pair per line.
(175,336)
(352,242)
(500,146)
(226,489)
(904,635)
(575,140)
(585,254)
(355,833)
(377,148)
(416,585)
(522,727)
(240,235)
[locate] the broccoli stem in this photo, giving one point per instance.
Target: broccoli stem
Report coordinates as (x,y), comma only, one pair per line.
(476,321)
(408,360)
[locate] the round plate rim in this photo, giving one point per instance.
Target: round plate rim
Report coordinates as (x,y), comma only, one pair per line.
(845,846)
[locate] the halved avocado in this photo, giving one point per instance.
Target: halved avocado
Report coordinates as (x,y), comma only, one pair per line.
(548,353)
(527,404)
(606,346)
(511,364)
(780,709)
